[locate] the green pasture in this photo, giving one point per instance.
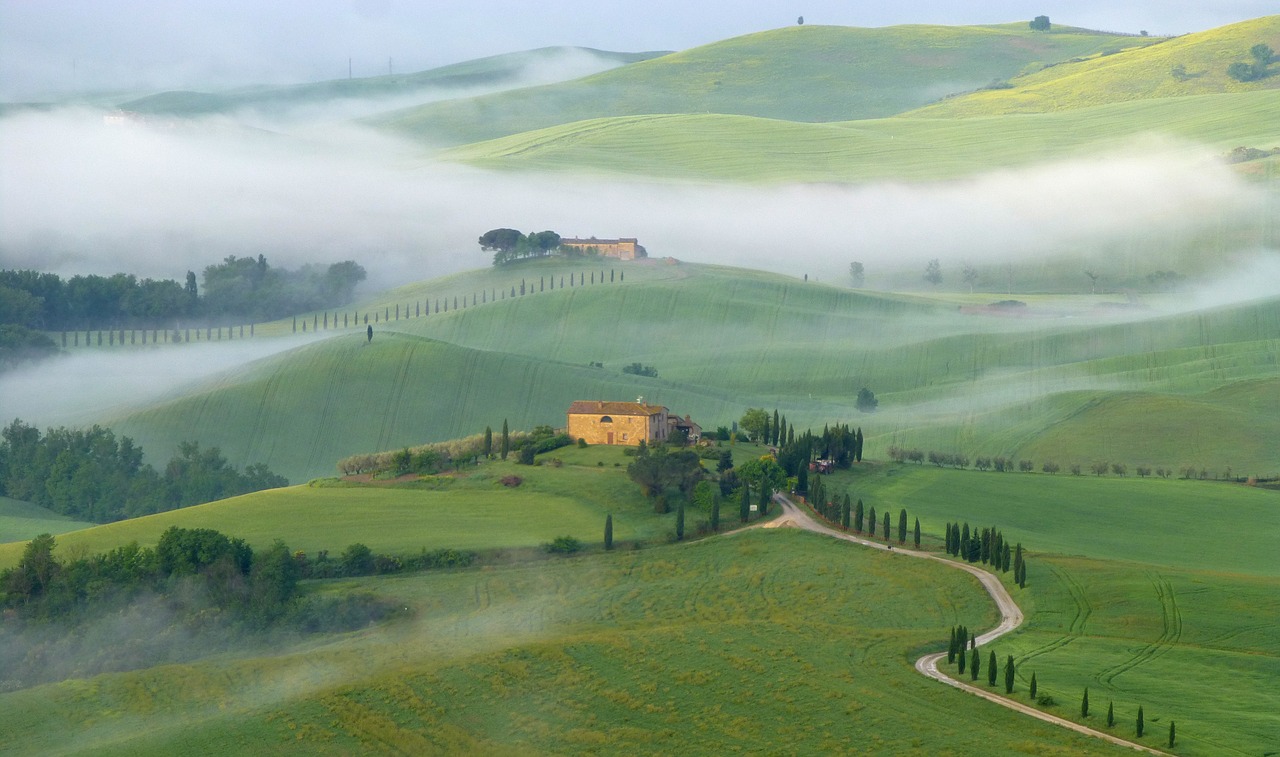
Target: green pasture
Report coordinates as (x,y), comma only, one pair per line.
(491,71)
(1154,592)
(1137,73)
(726,147)
(1160,523)
(20,521)
(470,510)
(1197,647)
(770,641)
(1162,389)
(797,73)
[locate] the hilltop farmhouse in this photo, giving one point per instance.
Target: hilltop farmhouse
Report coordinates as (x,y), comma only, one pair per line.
(622,249)
(626,423)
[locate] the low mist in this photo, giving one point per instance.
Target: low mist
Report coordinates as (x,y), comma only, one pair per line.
(85,197)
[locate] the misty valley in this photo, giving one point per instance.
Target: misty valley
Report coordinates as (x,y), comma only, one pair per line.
(774,394)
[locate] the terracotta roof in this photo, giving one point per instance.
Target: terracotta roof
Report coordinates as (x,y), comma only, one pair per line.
(596,407)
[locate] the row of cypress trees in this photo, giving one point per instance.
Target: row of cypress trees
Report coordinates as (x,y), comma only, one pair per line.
(988,547)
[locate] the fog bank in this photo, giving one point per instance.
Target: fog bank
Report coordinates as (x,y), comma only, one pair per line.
(85,197)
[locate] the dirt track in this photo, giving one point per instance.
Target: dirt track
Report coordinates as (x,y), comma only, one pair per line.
(1010,618)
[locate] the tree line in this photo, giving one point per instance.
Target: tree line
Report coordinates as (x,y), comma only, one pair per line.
(1002,464)
(90,474)
(244,288)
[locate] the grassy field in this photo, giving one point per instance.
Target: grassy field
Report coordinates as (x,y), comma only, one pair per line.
(1133,74)
(20,521)
(799,73)
(469,510)
(1154,592)
(753,149)
(773,641)
(1099,383)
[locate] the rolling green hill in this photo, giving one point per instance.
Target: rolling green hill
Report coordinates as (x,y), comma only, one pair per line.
(742,148)
(20,521)
(1194,64)
(770,641)
(506,70)
(1132,584)
(800,73)
(725,339)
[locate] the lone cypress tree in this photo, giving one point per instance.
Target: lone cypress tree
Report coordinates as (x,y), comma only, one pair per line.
(506,440)
(1033,687)
(1172,734)
(991,669)
(1141,726)
(715,514)
(680,522)
(608,531)
(902,526)
(488,442)
(916,534)
(1111,714)
(1008,674)
(1084,703)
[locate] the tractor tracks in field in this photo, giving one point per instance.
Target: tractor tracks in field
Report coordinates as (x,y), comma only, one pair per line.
(1171,617)
(1010,618)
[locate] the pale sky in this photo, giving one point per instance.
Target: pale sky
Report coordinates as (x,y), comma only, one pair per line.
(59,46)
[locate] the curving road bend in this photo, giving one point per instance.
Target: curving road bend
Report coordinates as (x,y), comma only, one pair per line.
(1010,618)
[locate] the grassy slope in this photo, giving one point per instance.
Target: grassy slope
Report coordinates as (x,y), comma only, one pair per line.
(496,70)
(742,148)
(1160,593)
(1134,74)
(801,73)
(20,521)
(979,384)
(750,642)
(473,510)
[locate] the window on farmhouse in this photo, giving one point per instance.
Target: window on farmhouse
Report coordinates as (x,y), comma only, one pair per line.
(606,419)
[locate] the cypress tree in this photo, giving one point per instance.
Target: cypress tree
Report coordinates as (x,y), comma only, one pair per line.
(506,440)
(488,442)
(844,513)
(775,428)
(857,517)
(802,479)
(1004,563)
(902,526)
(984,553)
(961,656)
(887,524)
(608,531)
(871,520)
(1033,687)
(680,521)
(744,505)
(715,514)
(916,534)
(991,669)
(1172,734)
(791,434)
(964,542)
(1084,703)
(1008,674)
(1022,580)
(946,538)
(857,446)
(1141,726)
(781,439)
(1111,714)
(951,647)
(975,665)
(765,438)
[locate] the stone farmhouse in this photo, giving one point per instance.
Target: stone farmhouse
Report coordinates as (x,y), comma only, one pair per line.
(622,249)
(626,423)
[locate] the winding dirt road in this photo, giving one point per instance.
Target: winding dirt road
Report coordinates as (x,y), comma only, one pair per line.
(1010,618)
